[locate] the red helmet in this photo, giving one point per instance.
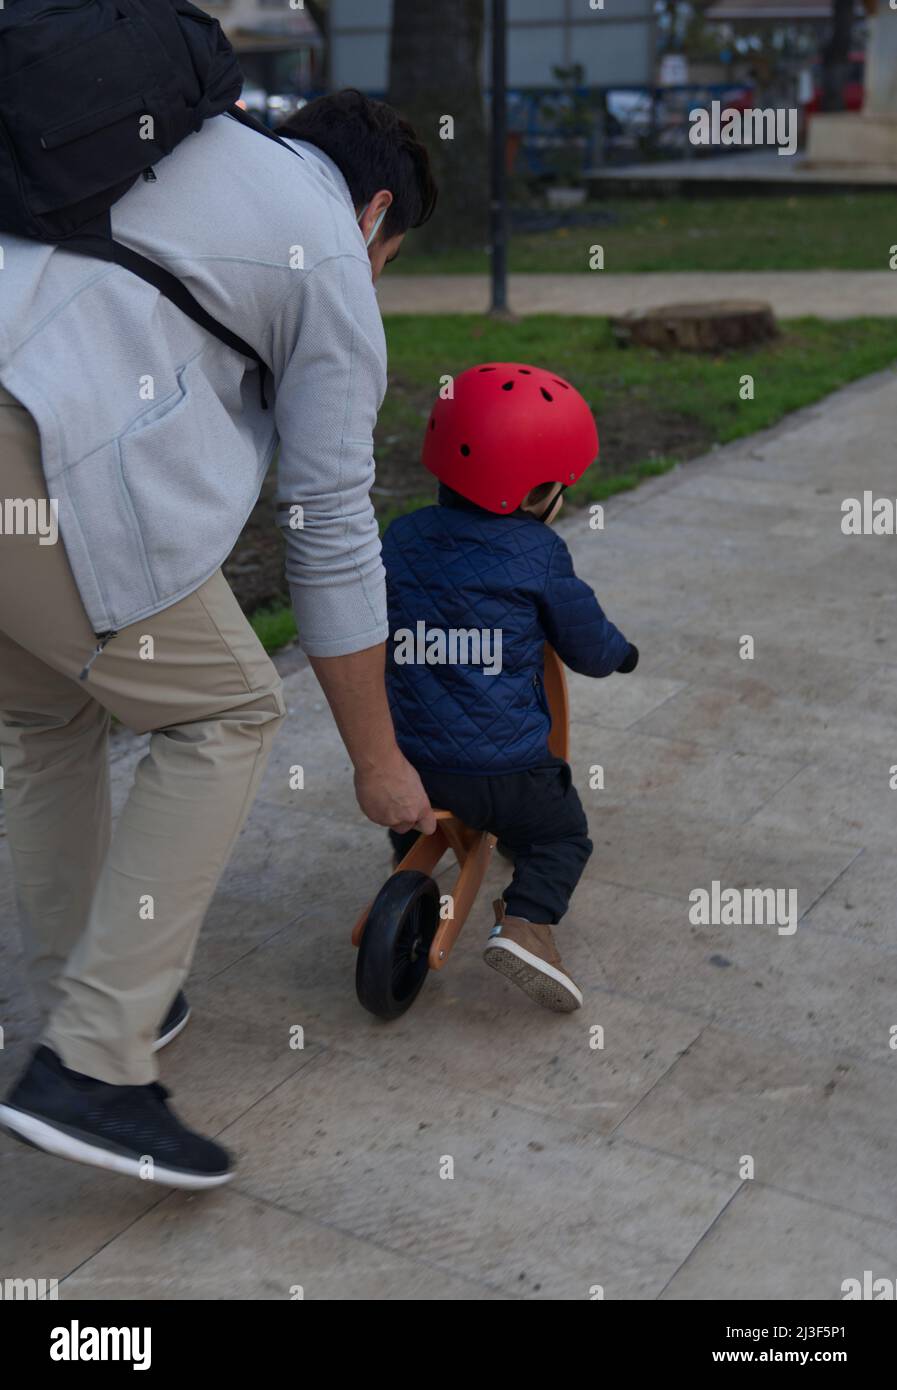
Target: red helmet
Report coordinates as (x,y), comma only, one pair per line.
(508,428)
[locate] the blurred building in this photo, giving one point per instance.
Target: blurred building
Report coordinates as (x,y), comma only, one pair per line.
(778,12)
(279,48)
(615,45)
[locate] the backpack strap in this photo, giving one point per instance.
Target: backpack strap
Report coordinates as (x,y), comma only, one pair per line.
(245,118)
(104,247)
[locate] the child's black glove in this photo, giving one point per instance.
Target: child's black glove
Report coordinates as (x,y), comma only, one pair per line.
(629,662)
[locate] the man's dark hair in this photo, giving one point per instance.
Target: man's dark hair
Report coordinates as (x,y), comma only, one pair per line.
(373,147)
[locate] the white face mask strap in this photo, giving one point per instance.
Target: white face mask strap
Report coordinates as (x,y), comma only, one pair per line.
(377,225)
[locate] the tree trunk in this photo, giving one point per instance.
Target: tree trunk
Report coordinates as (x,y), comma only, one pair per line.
(435,73)
(836,54)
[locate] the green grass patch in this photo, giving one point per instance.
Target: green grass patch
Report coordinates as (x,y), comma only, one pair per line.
(648,405)
(274,626)
(805,231)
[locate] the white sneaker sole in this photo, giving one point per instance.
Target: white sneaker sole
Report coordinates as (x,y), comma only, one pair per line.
(165,1038)
(56,1141)
(542,982)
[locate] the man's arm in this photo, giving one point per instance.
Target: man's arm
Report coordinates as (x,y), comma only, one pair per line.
(389,790)
(330,385)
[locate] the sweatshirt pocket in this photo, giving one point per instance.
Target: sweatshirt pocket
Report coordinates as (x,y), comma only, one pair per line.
(539,687)
(192,477)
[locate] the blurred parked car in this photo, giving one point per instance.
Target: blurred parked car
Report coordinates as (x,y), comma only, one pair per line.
(282,107)
(851,91)
(273,110)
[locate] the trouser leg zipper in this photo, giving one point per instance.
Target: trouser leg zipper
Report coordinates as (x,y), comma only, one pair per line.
(104,639)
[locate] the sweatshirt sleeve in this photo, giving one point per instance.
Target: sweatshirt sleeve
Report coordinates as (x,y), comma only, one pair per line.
(329,392)
(574,622)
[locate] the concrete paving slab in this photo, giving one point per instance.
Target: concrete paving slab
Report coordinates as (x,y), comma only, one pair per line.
(808,1251)
(676,852)
(55,1215)
(848,799)
(814,1123)
(638,769)
(862,902)
(469,1029)
(781,668)
(532,1207)
(755,720)
(617,704)
(814,988)
(230,1248)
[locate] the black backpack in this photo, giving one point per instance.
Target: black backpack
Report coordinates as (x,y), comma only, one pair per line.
(93,93)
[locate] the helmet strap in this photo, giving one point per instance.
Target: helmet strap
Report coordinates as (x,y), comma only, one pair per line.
(553,507)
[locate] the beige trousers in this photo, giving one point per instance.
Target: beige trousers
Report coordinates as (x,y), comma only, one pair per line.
(110,919)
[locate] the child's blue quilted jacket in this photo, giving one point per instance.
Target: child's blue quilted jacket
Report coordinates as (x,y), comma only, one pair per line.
(456,566)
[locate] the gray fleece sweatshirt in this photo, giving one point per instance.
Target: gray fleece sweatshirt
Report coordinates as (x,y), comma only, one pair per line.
(153,438)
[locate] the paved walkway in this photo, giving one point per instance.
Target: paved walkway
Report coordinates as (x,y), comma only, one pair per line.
(628,1165)
(763,167)
(828,294)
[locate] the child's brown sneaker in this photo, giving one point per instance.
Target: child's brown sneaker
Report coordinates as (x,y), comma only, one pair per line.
(526,954)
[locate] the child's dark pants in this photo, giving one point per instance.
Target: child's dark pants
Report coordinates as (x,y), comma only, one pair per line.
(538,818)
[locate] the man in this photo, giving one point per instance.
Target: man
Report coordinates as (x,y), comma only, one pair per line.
(151,438)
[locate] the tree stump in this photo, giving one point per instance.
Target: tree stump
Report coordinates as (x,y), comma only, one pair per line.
(716,326)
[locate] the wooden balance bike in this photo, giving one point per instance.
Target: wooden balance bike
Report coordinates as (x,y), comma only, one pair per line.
(406,931)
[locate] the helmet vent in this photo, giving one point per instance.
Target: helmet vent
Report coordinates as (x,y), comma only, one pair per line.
(508,386)
(547,394)
(432,424)
(487,369)
(524,371)
(561,383)
(465,450)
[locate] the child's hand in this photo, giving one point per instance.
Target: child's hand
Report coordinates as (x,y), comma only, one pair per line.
(629,662)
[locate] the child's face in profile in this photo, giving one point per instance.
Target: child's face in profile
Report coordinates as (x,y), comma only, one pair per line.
(544,501)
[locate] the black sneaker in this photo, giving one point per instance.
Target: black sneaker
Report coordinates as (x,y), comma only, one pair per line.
(127,1129)
(174,1021)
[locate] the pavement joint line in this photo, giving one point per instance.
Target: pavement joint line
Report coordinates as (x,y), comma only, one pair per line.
(886,948)
(860,851)
(236,1190)
(772,795)
(689,687)
(674,1062)
(381,1245)
(163,1197)
(314,1053)
(726,1025)
(812,1201)
(265,941)
(596,1139)
(702,1237)
(821,1202)
(377,1244)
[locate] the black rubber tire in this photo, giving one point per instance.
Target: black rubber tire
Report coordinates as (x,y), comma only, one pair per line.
(392,958)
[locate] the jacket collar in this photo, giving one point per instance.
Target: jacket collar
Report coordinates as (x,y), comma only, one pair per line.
(449,498)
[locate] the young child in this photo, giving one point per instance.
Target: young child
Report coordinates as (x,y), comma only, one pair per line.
(477,584)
